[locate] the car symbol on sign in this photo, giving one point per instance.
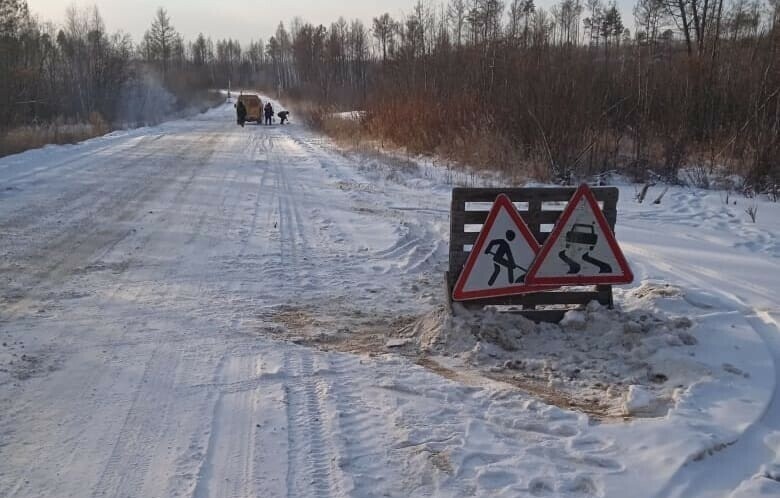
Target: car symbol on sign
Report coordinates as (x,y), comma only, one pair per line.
(581,234)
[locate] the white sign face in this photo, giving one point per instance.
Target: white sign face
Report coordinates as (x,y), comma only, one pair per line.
(581,249)
(500,258)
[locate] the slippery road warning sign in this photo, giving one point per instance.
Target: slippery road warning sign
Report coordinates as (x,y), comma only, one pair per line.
(581,249)
(500,258)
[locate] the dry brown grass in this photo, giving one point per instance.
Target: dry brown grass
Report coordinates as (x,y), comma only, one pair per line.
(25,138)
(347,132)
(466,135)
(311,113)
(400,126)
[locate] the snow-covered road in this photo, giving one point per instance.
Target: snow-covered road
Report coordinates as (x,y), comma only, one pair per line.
(147,277)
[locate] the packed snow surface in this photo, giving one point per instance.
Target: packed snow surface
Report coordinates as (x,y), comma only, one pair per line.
(202,310)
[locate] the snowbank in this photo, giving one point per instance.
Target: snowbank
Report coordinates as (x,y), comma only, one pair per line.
(349,115)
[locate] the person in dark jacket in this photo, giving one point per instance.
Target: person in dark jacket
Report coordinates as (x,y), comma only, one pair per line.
(283,116)
(240,113)
(269,113)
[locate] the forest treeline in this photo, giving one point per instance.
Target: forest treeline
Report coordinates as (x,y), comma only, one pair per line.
(563,93)
(80,72)
(558,93)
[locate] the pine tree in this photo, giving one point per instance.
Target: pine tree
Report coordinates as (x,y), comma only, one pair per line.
(161,41)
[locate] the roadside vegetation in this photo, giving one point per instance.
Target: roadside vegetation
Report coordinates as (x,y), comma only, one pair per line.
(63,84)
(686,91)
(691,93)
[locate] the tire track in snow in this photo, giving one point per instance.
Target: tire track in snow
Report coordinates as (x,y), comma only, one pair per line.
(73,449)
(418,247)
(146,424)
(301,250)
(149,413)
(287,249)
(702,277)
(256,250)
(134,411)
(228,464)
(293,244)
(294,200)
(80,197)
(78,254)
(739,461)
(363,432)
(248,256)
(67,335)
(142,429)
(742,460)
(312,467)
(247,435)
(257,207)
(74,246)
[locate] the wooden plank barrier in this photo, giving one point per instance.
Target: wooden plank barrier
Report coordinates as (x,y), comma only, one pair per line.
(540,208)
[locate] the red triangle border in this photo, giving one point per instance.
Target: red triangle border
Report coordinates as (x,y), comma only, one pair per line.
(458,294)
(626,278)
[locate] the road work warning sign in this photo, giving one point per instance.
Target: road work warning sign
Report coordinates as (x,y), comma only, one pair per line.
(500,258)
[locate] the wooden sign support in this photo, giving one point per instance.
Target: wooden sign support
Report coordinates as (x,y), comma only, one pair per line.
(540,208)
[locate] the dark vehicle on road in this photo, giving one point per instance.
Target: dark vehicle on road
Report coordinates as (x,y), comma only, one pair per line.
(581,234)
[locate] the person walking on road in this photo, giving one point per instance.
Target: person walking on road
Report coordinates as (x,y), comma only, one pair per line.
(240,113)
(269,113)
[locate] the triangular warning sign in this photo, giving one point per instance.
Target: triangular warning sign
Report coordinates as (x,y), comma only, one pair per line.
(500,258)
(581,250)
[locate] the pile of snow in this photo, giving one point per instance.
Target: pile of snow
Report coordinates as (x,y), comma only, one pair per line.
(639,400)
(620,362)
(766,482)
(349,115)
(653,353)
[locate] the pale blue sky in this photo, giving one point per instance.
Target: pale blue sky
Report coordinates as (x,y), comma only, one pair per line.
(239,19)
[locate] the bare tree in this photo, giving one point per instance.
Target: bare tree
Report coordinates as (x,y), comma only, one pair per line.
(383,28)
(456,14)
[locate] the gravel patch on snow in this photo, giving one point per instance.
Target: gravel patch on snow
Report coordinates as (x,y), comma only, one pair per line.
(631,361)
(608,362)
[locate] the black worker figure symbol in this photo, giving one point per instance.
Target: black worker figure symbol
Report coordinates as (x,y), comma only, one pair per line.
(582,239)
(502,257)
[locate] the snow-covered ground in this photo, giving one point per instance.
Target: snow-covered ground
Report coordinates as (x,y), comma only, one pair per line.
(202,310)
